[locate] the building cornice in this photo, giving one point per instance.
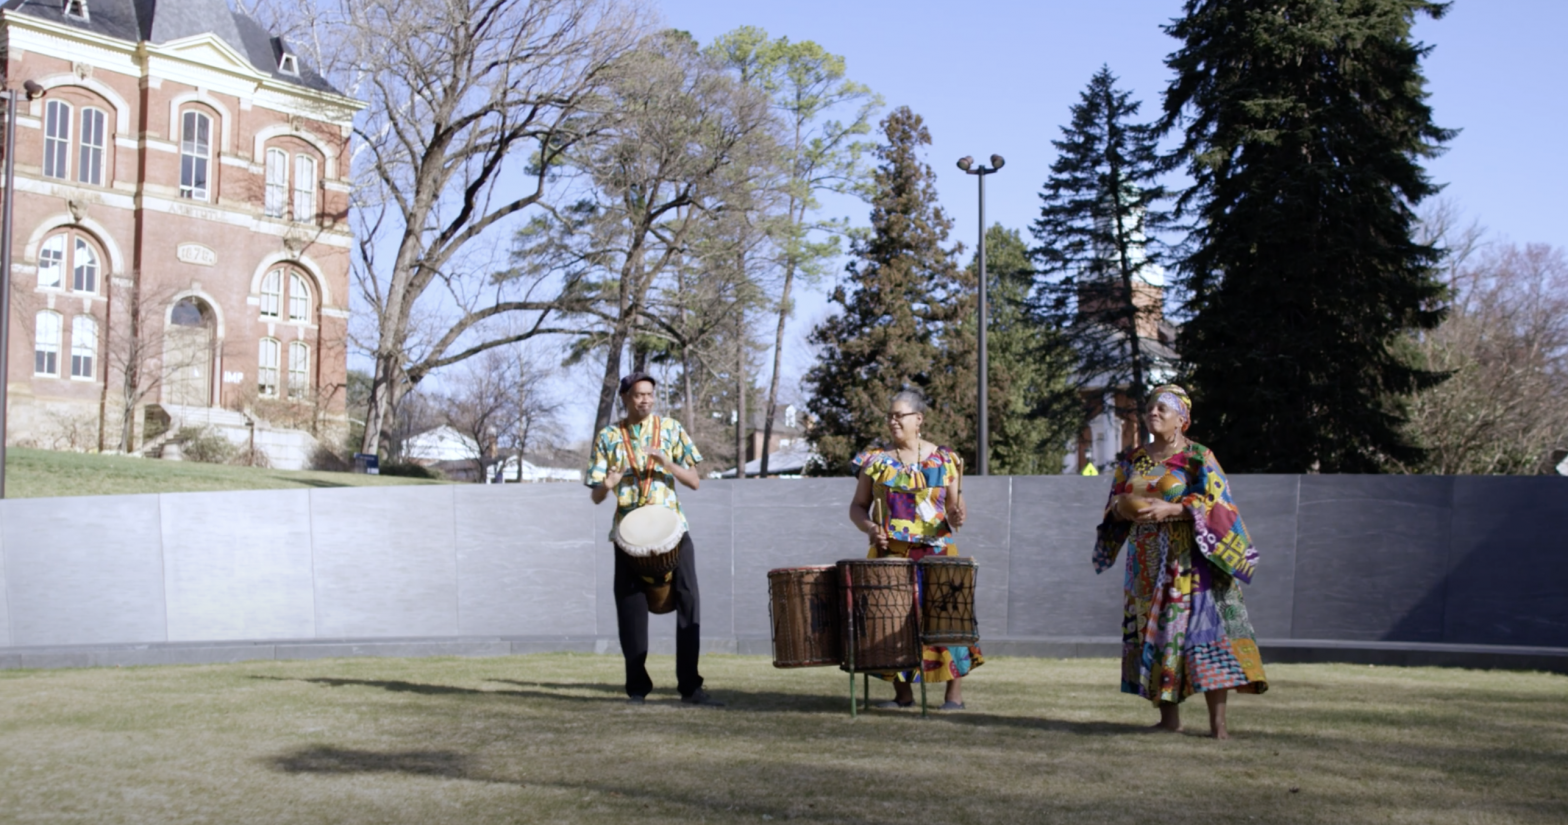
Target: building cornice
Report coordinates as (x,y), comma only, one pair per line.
(204,61)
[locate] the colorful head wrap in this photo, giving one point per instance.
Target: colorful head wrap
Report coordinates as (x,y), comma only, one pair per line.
(1177,399)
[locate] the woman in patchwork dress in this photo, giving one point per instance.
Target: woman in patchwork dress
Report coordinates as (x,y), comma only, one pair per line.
(1184,626)
(913,485)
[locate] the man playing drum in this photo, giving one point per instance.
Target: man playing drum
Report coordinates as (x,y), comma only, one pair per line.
(640,458)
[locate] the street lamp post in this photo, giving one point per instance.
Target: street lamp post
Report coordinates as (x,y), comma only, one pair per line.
(983,450)
(12,99)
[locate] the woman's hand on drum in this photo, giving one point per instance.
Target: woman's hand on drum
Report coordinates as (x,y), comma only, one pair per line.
(878,535)
(958,513)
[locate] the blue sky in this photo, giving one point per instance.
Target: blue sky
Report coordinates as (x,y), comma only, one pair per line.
(999,77)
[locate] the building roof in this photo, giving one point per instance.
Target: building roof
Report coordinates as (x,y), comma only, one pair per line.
(162,21)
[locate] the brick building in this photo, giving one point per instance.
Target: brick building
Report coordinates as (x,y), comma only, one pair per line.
(181,245)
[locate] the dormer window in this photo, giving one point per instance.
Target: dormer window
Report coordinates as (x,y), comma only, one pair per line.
(76,9)
(289,64)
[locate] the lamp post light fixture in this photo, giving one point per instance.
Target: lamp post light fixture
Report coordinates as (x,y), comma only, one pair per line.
(983,450)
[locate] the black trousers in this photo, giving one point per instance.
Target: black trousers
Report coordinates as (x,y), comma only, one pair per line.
(631,614)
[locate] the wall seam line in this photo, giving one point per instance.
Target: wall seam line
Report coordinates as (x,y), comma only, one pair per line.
(163,569)
(315,607)
(5,564)
(457,568)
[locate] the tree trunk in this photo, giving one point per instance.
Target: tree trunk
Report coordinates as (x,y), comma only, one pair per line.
(778,355)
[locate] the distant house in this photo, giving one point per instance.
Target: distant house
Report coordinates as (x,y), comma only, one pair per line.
(457,456)
(789,461)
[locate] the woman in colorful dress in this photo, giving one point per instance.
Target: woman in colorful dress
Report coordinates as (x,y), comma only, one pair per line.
(913,485)
(1184,627)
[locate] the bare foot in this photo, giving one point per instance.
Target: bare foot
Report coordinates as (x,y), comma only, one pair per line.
(1221,733)
(1164,727)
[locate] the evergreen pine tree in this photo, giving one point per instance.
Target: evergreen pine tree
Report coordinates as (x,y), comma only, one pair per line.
(1304,125)
(902,290)
(1098,250)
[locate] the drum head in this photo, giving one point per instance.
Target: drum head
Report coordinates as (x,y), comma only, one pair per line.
(649,530)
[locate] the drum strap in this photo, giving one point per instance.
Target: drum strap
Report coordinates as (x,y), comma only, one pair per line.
(643,475)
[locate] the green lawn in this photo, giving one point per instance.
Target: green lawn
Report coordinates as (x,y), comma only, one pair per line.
(546,738)
(41,473)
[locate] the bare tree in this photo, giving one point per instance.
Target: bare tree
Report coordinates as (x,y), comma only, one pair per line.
(1504,344)
(459,92)
(675,148)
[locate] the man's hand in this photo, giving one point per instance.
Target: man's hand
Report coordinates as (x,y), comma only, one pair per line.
(613,478)
(664,460)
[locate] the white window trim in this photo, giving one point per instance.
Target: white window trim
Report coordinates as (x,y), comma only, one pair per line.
(91,352)
(274,347)
(59,264)
(50,142)
(102,147)
(79,244)
(39,344)
(305,202)
(203,194)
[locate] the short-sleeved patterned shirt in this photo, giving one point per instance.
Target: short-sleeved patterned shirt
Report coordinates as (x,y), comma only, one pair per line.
(609,452)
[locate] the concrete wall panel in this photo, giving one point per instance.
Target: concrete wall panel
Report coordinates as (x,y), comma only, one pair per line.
(1268,508)
(386,563)
(238,565)
(84,570)
(1371,556)
(711,518)
(5,605)
(1509,562)
(525,563)
(1052,588)
(985,538)
(786,523)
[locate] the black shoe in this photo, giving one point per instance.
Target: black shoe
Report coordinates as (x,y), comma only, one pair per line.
(701,698)
(635,700)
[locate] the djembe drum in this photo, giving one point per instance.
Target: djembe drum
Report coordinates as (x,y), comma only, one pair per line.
(803,603)
(650,539)
(881,631)
(947,600)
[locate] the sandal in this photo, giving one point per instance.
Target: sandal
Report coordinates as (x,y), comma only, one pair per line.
(952,706)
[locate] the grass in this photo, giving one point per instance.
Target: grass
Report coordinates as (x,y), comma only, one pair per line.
(42,473)
(546,738)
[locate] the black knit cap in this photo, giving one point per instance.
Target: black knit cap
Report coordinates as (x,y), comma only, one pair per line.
(631,381)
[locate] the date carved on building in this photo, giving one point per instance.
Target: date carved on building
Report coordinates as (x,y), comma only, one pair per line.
(195,253)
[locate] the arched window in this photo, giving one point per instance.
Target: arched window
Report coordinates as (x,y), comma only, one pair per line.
(304,188)
(277,192)
(57,138)
(267,368)
(74,251)
(299,369)
(51,261)
(272,294)
(84,270)
(299,298)
(89,162)
(84,346)
(195,155)
(46,344)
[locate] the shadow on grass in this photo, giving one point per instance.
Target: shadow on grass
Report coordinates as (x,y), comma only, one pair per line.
(311,482)
(323,759)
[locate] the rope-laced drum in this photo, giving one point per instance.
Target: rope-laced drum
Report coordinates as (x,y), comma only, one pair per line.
(650,539)
(881,622)
(947,601)
(803,603)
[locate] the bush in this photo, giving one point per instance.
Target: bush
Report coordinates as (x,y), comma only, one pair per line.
(325,458)
(408,469)
(205,445)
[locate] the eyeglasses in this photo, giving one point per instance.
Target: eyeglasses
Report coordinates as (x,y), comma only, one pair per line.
(897,416)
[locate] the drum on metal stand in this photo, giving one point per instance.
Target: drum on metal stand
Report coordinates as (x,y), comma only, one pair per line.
(947,601)
(650,539)
(803,604)
(881,631)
